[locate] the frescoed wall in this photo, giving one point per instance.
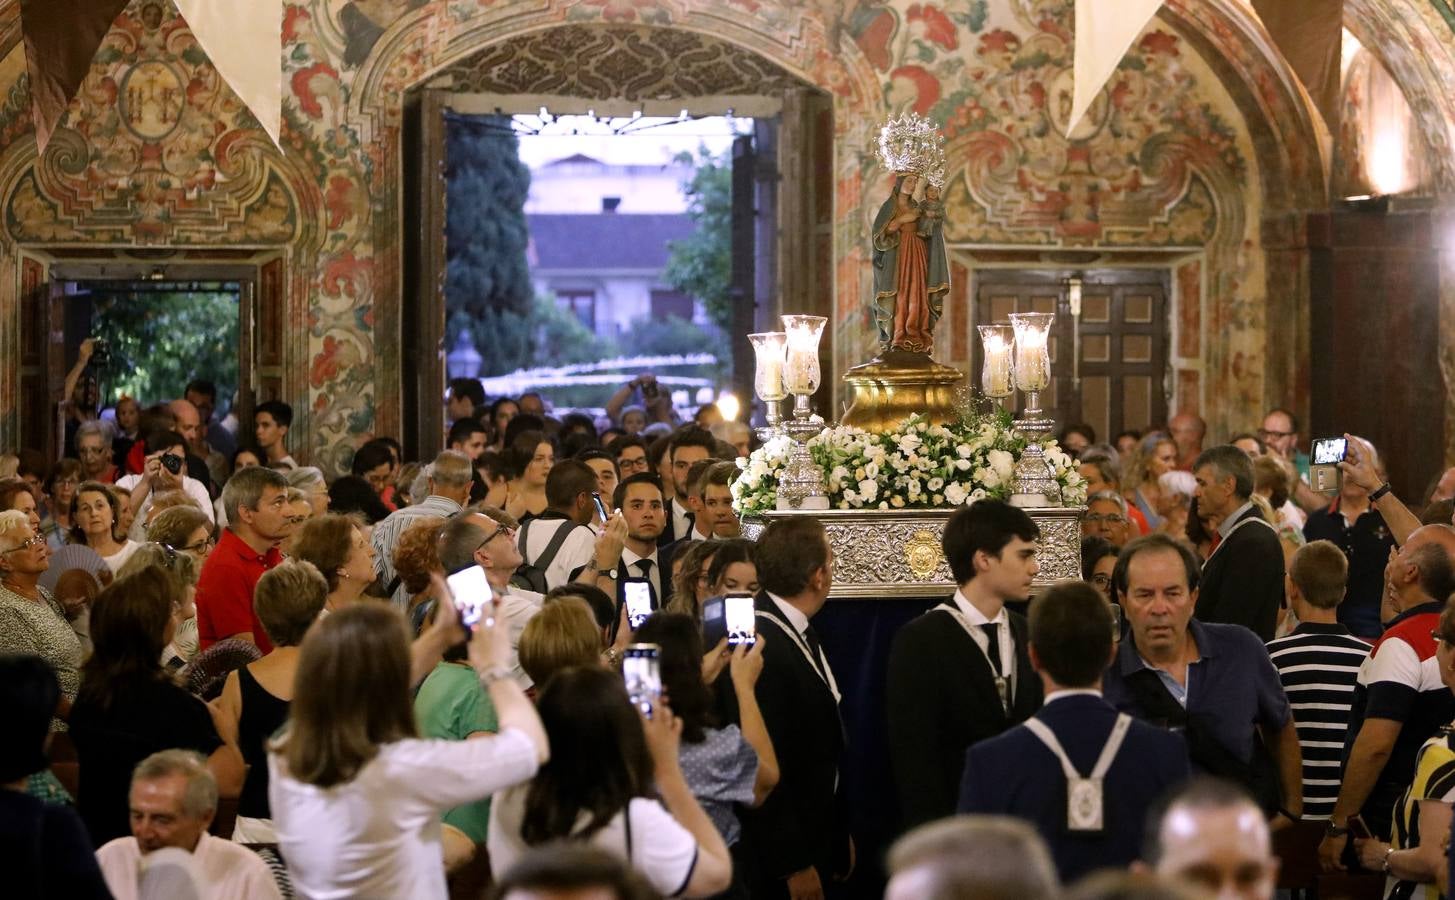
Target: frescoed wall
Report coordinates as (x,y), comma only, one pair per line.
(1203,143)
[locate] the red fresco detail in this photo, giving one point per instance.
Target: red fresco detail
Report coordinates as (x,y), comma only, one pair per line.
(874,40)
(938,28)
(345,274)
(310,82)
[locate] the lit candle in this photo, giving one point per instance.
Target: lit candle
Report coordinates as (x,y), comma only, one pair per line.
(1032,359)
(802,373)
(768,348)
(997,367)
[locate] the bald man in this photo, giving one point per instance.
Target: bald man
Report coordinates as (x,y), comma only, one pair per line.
(1187,430)
(1399,700)
(203,463)
(1213,836)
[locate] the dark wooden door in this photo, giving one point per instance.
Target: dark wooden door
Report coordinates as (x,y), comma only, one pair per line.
(42,363)
(1109,367)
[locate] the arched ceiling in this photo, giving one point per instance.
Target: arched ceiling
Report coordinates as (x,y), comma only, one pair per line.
(636,63)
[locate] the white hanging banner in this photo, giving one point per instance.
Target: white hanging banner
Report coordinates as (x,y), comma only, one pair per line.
(1105,30)
(244,41)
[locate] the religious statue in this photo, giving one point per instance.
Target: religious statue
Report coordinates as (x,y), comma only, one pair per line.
(911,271)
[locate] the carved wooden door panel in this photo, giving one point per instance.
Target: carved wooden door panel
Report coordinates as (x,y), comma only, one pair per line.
(1110,376)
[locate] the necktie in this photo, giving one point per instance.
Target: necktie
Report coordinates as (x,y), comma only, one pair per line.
(992,650)
(644,566)
(811,638)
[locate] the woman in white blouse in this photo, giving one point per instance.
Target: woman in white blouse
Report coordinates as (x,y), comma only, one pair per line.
(602,786)
(356,797)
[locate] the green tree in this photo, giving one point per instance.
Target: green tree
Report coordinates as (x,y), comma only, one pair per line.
(701,265)
(160,340)
(488,290)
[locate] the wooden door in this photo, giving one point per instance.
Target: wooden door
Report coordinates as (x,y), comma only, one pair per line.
(1109,367)
(42,364)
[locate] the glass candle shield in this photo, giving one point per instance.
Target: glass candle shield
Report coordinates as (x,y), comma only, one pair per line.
(1032,355)
(997,342)
(801,372)
(769,348)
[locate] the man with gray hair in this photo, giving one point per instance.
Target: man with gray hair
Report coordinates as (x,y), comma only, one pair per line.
(255,501)
(487,539)
(987,857)
(173,799)
(448,488)
(1242,578)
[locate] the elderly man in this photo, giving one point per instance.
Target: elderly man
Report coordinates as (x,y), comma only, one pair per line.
(1213,836)
(1357,528)
(478,539)
(1187,430)
(1242,580)
(449,488)
(255,501)
(1106,517)
(1236,697)
(1399,700)
(173,800)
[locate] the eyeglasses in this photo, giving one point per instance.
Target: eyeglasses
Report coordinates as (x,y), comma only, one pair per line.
(202,546)
(632,465)
(495,534)
(26,545)
(1109,518)
(92,451)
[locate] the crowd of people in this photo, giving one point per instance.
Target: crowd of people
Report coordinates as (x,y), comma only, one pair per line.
(230,675)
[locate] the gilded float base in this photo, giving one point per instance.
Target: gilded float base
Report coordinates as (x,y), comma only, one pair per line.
(898,384)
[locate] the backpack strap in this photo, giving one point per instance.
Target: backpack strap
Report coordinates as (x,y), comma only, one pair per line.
(548,555)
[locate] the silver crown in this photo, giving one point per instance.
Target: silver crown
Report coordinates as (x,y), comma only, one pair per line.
(912,144)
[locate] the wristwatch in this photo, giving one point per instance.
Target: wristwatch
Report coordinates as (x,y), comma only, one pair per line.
(1378,492)
(1332,830)
(609,572)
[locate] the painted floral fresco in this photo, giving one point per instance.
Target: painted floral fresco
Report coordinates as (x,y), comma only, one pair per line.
(1200,140)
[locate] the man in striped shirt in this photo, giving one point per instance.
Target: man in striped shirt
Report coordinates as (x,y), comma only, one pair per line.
(449,488)
(1318,664)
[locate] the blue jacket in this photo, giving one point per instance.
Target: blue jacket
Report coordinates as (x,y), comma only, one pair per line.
(1015,774)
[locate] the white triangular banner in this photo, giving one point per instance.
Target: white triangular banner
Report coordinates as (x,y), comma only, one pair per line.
(244,41)
(1105,30)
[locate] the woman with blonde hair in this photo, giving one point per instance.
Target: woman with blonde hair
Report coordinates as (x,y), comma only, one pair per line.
(563,634)
(31,621)
(337,547)
(183,646)
(185,529)
(356,797)
(256,697)
(1156,456)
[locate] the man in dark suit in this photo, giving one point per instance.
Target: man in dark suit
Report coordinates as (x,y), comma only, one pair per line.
(959,673)
(798,839)
(689,445)
(1242,579)
(1022,772)
(640,500)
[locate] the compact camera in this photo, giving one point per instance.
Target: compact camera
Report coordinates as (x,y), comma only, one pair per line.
(172,463)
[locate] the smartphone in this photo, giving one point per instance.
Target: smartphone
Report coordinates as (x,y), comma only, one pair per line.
(600,507)
(638,595)
(742,619)
(1323,472)
(472,596)
(641,671)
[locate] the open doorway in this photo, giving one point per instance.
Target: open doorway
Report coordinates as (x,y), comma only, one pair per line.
(583,251)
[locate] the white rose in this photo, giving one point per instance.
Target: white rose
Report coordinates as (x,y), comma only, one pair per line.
(955,494)
(1003,464)
(869,489)
(963,451)
(839,474)
(977,495)
(962,464)
(935,484)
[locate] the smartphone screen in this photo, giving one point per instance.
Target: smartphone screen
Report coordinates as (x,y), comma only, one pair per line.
(741,619)
(1329,451)
(471,593)
(600,507)
(640,670)
(638,595)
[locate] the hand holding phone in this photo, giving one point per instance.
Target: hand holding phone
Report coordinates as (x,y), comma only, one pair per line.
(641,671)
(1324,462)
(470,592)
(742,619)
(638,597)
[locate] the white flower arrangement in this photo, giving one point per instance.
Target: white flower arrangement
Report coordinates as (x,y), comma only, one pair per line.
(916,466)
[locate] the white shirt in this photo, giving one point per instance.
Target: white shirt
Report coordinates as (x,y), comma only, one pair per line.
(681,519)
(379,834)
(1063,693)
(577,550)
(1004,638)
(115,561)
(191,486)
(226,871)
(661,849)
(629,560)
(518,606)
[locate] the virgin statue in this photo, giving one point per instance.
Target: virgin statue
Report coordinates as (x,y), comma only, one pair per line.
(911,272)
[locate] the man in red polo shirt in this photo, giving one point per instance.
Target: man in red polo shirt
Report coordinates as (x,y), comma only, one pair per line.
(255,501)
